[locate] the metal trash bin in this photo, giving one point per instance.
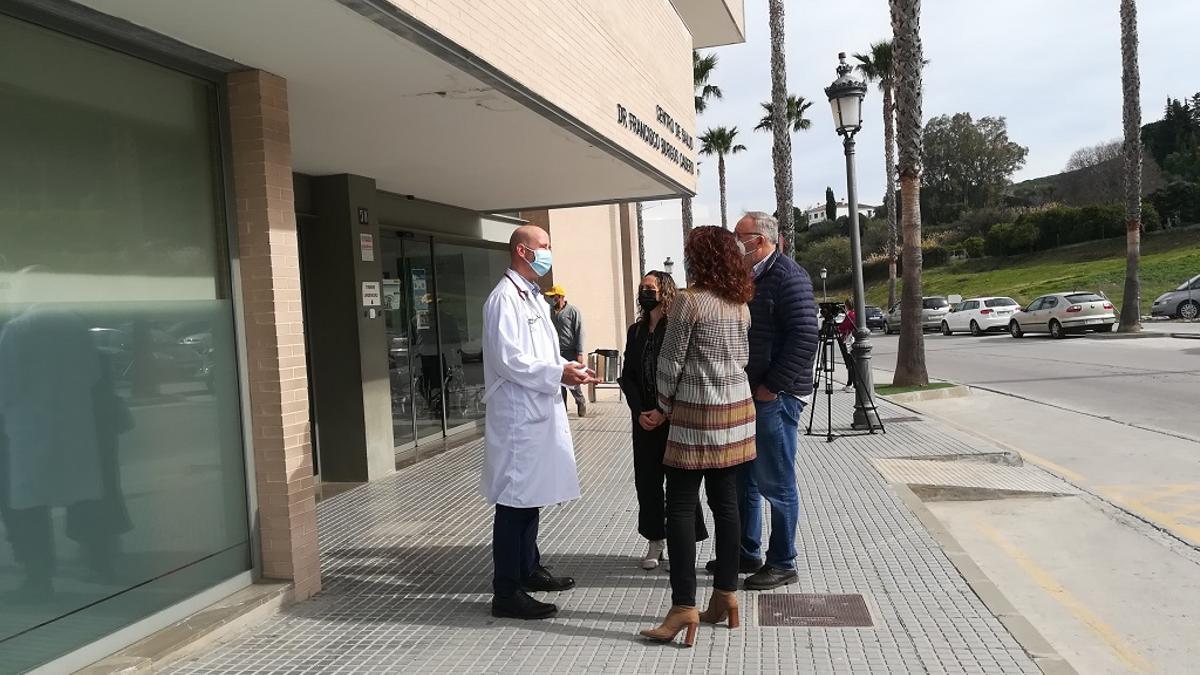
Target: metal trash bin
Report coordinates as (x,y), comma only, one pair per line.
(606,363)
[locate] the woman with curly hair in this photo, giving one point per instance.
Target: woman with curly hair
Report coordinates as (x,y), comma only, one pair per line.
(703,390)
(639,382)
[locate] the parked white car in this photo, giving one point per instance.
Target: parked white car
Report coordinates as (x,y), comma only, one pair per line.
(980,315)
(1061,313)
(933,308)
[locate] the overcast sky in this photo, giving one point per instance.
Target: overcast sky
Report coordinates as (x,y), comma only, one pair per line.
(1051,67)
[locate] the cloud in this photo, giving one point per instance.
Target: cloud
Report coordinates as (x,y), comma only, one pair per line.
(1053,69)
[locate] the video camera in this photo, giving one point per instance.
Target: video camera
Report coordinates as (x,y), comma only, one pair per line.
(830,310)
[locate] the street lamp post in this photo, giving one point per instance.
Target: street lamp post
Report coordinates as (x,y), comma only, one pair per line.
(845,99)
(668,265)
(824,275)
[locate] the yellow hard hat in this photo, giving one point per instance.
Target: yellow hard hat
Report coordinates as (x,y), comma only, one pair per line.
(556,290)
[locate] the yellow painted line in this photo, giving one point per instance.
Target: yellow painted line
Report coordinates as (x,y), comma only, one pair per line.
(1168,521)
(1052,467)
(1185,511)
(1062,596)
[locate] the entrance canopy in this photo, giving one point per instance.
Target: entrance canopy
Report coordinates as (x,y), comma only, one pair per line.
(373,94)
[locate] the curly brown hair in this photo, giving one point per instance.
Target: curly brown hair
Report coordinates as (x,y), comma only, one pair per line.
(714,264)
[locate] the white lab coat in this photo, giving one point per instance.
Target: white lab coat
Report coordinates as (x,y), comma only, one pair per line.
(529,458)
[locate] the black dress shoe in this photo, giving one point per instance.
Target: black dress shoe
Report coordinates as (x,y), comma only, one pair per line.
(542,580)
(745,566)
(770,577)
(520,606)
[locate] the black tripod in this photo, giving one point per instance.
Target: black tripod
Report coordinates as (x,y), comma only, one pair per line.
(826,367)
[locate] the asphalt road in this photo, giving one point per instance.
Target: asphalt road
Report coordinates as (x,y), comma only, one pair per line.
(1151,383)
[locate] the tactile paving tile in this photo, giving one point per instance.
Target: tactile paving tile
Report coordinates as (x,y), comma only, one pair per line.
(969,474)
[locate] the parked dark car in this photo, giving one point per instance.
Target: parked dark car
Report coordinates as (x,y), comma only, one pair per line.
(1182,303)
(875,318)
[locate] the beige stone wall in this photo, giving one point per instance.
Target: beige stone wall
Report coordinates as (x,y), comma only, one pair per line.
(590,265)
(586,57)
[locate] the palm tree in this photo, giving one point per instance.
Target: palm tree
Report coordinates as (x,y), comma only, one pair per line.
(876,66)
(1131,308)
(720,142)
(908,63)
(641,242)
(796,107)
(702,70)
(781,150)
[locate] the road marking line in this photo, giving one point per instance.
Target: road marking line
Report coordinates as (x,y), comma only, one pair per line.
(1064,597)
(1165,520)
(1052,467)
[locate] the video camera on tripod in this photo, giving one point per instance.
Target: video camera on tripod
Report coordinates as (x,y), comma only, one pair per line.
(830,310)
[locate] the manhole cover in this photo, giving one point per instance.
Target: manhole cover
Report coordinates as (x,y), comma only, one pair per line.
(812,610)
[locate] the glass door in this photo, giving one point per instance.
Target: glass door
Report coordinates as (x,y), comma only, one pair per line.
(466,275)
(415,368)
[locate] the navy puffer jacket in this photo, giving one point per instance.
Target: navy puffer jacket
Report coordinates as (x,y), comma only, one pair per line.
(783,328)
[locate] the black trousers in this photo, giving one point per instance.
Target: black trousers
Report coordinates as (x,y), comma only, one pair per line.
(514,548)
(848,359)
(683,496)
(649,475)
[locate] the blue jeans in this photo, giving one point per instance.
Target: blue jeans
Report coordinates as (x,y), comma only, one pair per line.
(773,476)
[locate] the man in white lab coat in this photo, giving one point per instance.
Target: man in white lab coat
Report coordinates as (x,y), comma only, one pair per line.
(529,458)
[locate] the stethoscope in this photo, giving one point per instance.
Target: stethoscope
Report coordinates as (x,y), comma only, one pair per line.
(534,314)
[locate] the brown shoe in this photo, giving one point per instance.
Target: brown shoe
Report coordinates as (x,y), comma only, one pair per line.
(721,606)
(679,618)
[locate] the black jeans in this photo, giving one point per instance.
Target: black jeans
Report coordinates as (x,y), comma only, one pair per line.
(848,359)
(514,548)
(683,496)
(649,475)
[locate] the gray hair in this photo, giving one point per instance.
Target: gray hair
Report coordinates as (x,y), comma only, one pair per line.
(766,224)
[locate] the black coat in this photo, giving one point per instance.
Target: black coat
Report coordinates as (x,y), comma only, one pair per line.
(783,328)
(634,382)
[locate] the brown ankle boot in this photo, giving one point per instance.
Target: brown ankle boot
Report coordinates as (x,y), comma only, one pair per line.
(722,605)
(679,618)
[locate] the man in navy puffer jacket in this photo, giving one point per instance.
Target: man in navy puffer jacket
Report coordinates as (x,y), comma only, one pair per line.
(783,342)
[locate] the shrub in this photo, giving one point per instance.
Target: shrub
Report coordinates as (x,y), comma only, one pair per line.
(934,255)
(973,247)
(832,253)
(1011,238)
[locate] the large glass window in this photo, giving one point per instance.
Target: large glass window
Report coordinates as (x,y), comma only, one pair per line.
(122,475)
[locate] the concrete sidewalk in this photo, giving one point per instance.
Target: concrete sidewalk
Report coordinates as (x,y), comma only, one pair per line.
(407,569)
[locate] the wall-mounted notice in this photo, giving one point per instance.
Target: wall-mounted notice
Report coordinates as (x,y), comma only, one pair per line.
(371,297)
(366,246)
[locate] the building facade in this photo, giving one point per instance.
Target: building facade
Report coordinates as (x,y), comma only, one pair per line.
(816,213)
(244,247)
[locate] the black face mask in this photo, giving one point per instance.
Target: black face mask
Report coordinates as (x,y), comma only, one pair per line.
(648,299)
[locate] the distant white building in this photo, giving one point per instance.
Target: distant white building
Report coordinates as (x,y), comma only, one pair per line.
(816,213)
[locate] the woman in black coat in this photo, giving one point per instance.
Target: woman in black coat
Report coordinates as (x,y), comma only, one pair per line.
(639,374)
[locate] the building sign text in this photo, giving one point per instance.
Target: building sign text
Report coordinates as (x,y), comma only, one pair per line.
(659,141)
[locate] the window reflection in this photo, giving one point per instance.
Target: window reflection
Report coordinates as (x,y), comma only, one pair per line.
(122,471)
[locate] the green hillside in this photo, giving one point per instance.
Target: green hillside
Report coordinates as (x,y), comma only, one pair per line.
(1168,258)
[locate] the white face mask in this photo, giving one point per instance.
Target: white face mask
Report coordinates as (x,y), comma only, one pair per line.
(743,250)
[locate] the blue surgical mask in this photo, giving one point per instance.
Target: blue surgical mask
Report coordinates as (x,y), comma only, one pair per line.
(542,260)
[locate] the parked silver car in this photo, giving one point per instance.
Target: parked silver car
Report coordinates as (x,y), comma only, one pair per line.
(1061,313)
(934,308)
(1182,303)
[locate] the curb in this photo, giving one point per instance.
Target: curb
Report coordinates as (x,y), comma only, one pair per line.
(1036,646)
(956,391)
(1185,336)
(1127,336)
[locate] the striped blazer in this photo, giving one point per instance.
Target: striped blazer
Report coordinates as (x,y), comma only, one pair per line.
(702,383)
